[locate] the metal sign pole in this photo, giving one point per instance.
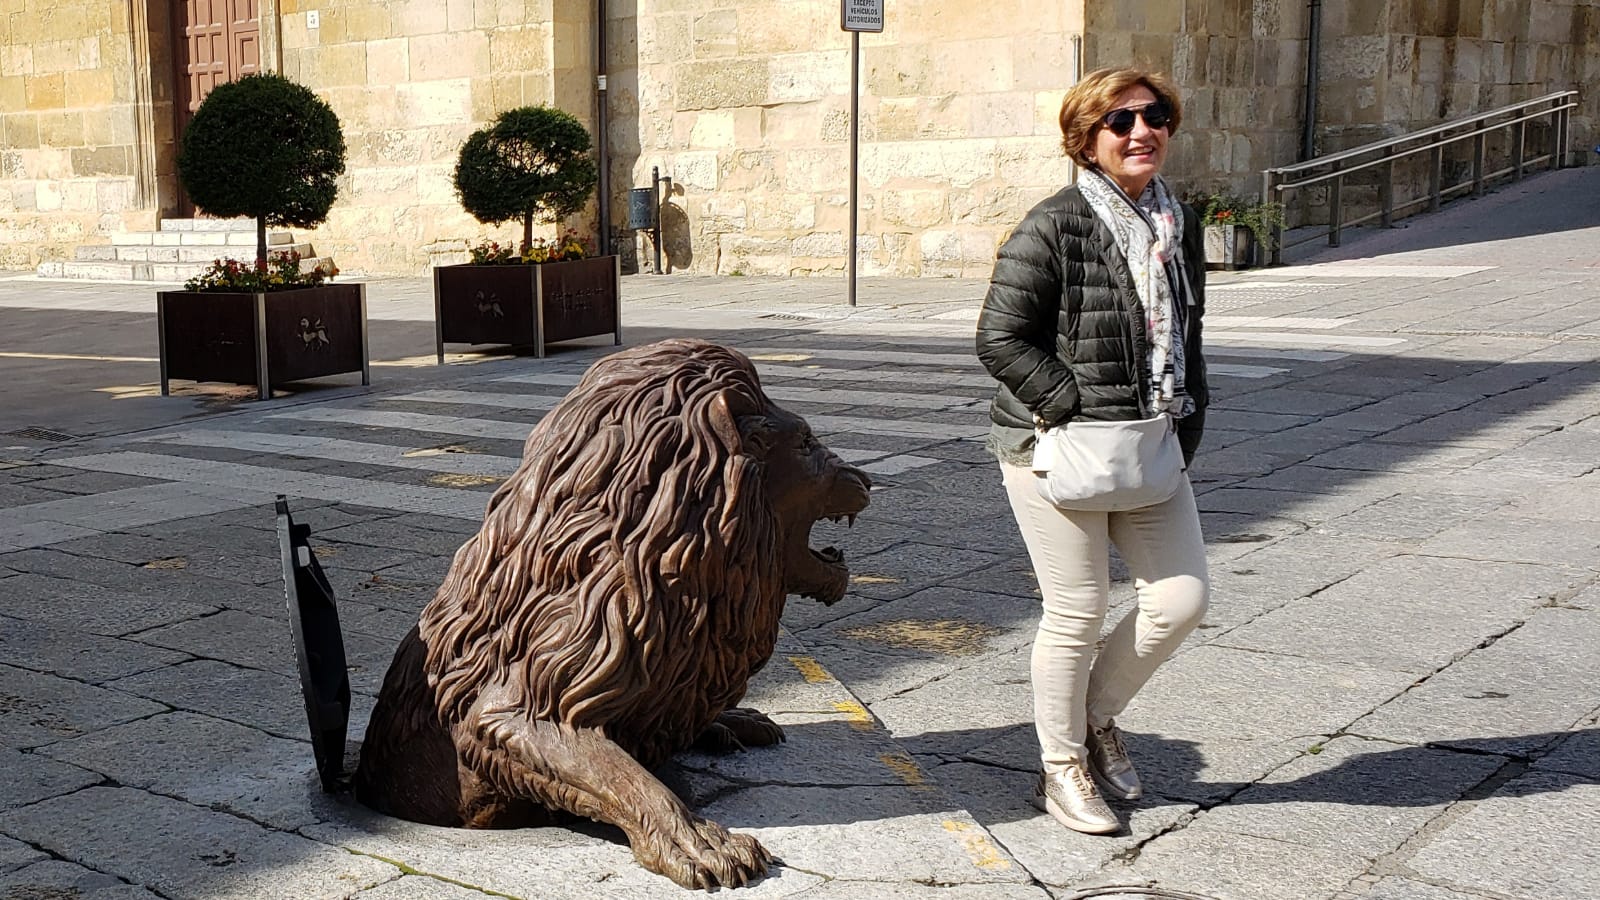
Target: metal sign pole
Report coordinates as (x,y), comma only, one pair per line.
(856,16)
(855,127)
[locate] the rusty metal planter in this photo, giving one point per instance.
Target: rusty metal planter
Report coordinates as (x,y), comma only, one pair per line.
(266,339)
(527,305)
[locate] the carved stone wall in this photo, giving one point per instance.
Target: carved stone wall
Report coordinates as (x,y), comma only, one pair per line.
(410,80)
(746,106)
(69,151)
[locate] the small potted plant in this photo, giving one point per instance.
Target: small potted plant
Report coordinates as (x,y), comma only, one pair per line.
(1238,231)
(532,164)
(270,149)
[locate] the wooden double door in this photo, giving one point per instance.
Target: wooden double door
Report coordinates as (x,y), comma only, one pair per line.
(214,41)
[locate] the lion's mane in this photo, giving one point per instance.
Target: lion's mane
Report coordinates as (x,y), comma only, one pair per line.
(627,576)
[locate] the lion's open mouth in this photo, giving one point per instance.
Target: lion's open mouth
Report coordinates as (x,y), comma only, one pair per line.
(822,574)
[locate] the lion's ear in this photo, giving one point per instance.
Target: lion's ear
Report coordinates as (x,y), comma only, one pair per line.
(735,419)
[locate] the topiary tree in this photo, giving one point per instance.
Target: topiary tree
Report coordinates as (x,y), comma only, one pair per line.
(266,148)
(531,163)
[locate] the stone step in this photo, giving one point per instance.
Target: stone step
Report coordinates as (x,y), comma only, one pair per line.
(198,238)
(209,225)
(138,270)
(201,254)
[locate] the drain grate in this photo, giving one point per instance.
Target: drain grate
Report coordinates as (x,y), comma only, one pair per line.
(36,433)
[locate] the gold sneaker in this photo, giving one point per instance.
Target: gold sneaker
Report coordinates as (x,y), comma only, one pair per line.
(1111,761)
(1071,796)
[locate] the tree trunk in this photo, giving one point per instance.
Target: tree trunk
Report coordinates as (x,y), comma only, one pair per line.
(527,232)
(261,240)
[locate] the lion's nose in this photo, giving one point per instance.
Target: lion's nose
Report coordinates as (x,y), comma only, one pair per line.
(863,482)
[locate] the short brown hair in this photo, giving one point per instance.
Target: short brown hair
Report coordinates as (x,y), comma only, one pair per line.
(1088,101)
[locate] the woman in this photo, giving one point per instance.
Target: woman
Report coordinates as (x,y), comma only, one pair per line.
(1093,313)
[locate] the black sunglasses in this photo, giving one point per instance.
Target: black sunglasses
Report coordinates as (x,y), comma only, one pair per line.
(1120,121)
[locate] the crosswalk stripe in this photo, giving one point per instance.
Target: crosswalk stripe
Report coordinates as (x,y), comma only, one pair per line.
(312,447)
(1275,322)
(457,504)
(776,392)
(488,428)
(382,418)
(877,462)
(1233,371)
(1290,339)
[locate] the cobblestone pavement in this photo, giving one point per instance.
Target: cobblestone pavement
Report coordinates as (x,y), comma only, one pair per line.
(1395,695)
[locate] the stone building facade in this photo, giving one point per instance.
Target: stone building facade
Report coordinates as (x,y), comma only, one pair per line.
(745,104)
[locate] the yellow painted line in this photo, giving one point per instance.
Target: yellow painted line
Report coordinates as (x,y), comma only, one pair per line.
(876,579)
(811,670)
(902,765)
(453,480)
(18,354)
(781,357)
(856,714)
(430,359)
(985,855)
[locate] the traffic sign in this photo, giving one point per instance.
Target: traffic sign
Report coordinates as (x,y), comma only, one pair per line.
(861,15)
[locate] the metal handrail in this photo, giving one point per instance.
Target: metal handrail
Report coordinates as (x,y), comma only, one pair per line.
(1277,182)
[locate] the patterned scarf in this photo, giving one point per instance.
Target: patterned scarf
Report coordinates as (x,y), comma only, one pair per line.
(1149,234)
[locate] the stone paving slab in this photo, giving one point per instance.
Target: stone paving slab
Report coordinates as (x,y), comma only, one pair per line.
(15,855)
(1410,889)
(1227,866)
(262,643)
(1342,622)
(44,598)
(420,887)
(208,762)
(268,701)
(183,851)
(31,777)
(54,879)
(38,708)
(66,651)
(1358,797)
(1578,754)
(1529,839)
(1514,697)
(998,797)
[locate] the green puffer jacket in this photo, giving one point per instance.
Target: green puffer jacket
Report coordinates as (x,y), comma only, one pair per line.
(1062,328)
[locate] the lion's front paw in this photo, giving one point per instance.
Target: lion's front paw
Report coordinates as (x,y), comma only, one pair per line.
(699,853)
(751,727)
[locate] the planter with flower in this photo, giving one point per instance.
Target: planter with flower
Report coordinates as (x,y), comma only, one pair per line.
(530,165)
(264,322)
(1238,231)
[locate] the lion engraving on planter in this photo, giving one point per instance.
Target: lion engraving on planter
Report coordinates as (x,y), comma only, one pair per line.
(625,585)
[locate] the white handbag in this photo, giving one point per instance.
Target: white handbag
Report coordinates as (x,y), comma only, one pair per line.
(1109,466)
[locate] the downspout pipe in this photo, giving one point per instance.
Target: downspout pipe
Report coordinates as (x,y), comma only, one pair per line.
(1308,127)
(602,129)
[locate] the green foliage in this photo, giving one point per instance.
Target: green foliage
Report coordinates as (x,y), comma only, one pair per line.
(266,148)
(1222,208)
(565,248)
(531,164)
(280,273)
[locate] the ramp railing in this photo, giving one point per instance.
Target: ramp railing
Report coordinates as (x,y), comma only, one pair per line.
(1334,168)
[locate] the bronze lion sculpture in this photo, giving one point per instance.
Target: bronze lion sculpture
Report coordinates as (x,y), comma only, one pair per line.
(625,586)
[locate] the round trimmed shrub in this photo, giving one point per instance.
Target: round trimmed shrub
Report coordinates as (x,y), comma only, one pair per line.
(531,164)
(263,147)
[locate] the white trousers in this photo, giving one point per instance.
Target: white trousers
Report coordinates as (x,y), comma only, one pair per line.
(1070,550)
